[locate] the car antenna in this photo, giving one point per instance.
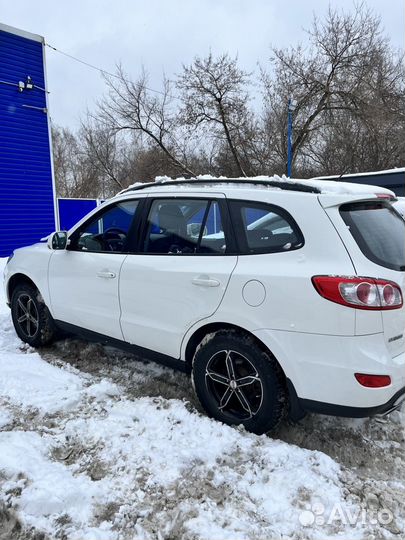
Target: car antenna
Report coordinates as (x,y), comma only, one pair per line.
(343,173)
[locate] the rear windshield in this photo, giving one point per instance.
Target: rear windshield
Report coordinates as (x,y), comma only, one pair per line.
(379,232)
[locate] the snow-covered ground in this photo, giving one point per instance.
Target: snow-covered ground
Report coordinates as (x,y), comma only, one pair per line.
(98,445)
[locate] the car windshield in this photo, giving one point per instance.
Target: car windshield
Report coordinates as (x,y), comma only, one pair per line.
(379,232)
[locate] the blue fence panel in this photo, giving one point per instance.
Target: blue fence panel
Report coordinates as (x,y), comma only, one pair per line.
(27,210)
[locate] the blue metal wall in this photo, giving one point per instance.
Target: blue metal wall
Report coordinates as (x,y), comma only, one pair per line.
(26,186)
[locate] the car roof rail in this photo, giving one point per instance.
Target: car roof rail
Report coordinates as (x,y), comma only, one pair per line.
(282,184)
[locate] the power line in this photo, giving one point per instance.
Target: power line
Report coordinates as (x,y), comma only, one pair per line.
(105,72)
(100,70)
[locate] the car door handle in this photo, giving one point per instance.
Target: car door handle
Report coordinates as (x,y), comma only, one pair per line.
(106,274)
(203,281)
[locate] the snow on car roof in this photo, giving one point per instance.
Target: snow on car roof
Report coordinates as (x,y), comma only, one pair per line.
(313,185)
(275,182)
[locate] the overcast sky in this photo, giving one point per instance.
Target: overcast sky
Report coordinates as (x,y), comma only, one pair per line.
(162,35)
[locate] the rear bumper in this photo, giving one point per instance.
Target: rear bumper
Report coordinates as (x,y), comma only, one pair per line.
(307,405)
(320,372)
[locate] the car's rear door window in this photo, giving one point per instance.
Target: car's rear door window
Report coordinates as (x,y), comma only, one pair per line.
(184,227)
(264,228)
(378,230)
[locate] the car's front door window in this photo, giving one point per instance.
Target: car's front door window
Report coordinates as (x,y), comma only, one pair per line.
(108,231)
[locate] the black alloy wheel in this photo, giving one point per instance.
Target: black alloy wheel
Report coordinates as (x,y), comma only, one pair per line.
(238,382)
(27,316)
(31,318)
(235,384)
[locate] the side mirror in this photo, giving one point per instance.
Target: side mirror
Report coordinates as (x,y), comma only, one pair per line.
(58,240)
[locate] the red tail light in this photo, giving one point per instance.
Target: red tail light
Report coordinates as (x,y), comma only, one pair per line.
(358,292)
(373,381)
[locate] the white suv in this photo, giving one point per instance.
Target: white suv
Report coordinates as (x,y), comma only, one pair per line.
(278,296)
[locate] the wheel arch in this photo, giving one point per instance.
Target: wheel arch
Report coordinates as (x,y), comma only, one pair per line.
(199,334)
(18,279)
(295,411)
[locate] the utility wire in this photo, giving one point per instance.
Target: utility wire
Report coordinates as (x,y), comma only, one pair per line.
(105,72)
(100,70)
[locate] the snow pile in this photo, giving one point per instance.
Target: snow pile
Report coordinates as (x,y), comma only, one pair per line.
(48,488)
(29,382)
(156,454)
(164,179)
(5,418)
(152,466)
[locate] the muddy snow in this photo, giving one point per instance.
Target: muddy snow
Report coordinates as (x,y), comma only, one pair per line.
(96,444)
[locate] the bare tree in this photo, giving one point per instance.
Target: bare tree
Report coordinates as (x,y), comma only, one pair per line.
(348,71)
(348,82)
(214,95)
(132,107)
(109,154)
(73,177)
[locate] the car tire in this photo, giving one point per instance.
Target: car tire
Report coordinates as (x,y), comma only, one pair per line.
(237,382)
(31,318)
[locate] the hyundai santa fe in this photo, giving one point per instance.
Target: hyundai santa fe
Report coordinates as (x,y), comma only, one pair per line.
(280,297)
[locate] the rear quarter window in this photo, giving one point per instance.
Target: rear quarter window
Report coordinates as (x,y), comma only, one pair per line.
(379,232)
(264,228)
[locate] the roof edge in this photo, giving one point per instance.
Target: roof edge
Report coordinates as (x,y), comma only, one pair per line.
(21,33)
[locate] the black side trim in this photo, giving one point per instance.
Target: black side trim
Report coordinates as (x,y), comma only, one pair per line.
(350,412)
(145,354)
